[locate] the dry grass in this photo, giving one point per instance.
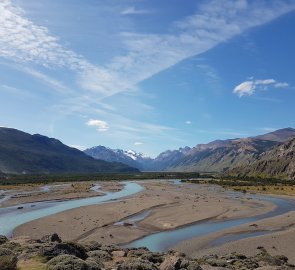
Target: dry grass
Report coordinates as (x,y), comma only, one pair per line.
(35,263)
(267,189)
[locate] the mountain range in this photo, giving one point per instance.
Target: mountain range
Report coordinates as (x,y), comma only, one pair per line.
(267,155)
(278,162)
(21,152)
(216,156)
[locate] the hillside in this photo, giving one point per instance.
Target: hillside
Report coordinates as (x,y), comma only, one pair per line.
(21,152)
(223,155)
(276,163)
(215,156)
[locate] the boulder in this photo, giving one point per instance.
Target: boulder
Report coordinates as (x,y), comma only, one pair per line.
(3,239)
(119,253)
(69,248)
(171,263)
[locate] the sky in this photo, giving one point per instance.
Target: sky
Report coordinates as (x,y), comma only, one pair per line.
(147,75)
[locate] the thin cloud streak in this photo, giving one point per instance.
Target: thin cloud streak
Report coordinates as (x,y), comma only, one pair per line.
(133,11)
(147,54)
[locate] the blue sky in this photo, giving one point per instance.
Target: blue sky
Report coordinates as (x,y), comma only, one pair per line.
(148,75)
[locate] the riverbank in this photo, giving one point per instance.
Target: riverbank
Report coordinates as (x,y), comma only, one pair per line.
(276,235)
(170,206)
(31,193)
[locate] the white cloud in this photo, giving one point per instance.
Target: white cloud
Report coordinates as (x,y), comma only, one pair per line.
(245,88)
(248,88)
(281,85)
(144,54)
(138,143)
(133,11)
(188,122)
(99,124)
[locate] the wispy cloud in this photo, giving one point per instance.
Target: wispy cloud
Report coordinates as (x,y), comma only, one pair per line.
(100,125)
(138,143)
(134,11)
(188,122)
(249,87)
(144,54)
(21,93)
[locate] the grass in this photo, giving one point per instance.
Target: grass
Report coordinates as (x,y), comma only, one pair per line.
(267,189)
(255,185)
(35,263)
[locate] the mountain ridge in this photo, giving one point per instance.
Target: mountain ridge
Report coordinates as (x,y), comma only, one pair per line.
(21,152)
(215,156)
(278,162)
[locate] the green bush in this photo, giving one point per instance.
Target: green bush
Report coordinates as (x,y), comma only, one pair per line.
(66,262)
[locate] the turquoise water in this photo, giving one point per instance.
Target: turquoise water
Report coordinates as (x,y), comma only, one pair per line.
(163,241)
(11,217)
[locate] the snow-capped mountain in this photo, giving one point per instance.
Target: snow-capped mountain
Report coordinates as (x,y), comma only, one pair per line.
(130,157)
(138,160)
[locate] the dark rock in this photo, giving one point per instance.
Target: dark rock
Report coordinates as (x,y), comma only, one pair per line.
(69,248)
(55,238)
(66,262)
(137,264)
(51,238)
(3,239)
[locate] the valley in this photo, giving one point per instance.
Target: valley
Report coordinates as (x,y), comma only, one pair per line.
(162,206)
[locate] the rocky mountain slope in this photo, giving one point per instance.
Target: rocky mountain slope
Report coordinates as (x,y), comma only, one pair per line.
(223,155)
(216,156)
(130,157)
(21,152)
(276,163)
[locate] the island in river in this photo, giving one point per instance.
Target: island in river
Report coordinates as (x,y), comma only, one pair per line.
(166,206)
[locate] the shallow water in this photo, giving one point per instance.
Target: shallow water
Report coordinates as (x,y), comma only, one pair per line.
(11,217)
(135,218)
(163,241)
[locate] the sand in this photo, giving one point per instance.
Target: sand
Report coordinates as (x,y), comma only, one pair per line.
(170,206)
(279,241)
(58,191)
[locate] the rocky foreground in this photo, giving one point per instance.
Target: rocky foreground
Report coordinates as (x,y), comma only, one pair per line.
(52,253)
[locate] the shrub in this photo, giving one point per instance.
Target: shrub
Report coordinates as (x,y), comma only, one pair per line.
(66,262)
